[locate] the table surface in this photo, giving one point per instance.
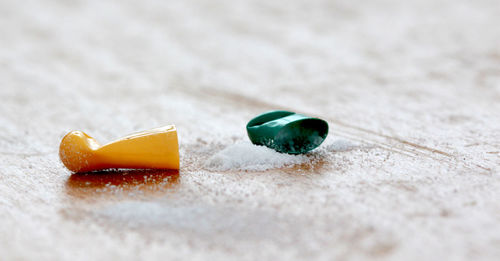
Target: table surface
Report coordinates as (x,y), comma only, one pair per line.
(409,171)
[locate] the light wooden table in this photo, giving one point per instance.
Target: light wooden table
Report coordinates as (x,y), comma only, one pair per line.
(411,90)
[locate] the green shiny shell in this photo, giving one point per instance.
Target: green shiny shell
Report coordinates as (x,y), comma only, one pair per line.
(287,132)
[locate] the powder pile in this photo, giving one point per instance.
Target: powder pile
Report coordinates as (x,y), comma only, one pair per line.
(248,157)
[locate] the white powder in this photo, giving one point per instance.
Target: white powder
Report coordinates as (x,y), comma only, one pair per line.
(249,157)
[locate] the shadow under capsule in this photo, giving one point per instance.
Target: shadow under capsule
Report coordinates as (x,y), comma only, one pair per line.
(121,183)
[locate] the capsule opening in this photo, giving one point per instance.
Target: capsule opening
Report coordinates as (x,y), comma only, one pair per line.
(301,136)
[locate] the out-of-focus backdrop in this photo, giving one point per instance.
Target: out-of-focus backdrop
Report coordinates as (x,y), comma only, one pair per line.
(411,90)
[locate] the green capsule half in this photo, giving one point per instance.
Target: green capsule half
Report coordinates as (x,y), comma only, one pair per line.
(287,132)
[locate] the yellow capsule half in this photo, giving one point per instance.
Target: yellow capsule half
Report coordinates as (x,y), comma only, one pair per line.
(153,149)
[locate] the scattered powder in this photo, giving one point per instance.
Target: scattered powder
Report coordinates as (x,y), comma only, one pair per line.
(135,214)
(249,157)
(341,145)
(203,219)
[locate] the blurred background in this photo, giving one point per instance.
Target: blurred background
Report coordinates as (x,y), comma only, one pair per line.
(398,61)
